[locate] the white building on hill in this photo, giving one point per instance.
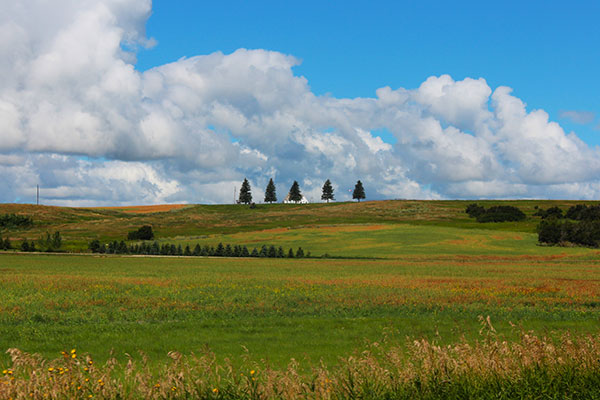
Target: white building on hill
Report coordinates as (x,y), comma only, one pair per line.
(288,201)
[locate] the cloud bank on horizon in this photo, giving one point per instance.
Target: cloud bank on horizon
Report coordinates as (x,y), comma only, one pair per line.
(80,120)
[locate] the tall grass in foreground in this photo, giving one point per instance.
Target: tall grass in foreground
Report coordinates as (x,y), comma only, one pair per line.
(532,367)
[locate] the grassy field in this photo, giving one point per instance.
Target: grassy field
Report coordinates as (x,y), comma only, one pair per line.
(405,269)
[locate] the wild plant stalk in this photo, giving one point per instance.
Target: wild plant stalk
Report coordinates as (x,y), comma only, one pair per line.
(532,367)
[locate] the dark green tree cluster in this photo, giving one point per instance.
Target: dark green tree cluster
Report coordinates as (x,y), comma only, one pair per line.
(5,244)
(582,212)
(550,213)
(580,225)
(495,213)
(28,246)
(562,232)
(143,233)
(166,249)
(11,221)
(52,242)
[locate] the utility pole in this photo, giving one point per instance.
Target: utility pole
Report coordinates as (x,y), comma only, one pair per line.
(38,195)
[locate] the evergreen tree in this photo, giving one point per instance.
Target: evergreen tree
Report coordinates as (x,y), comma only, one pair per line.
(272,252)
(197,250)
(270,195)
(25,246)
(155,249)
(53,242)
(359,191)
(95,246)
(295,194)
(280,253)
(264,252)
(327,191)
(179,250)
(228,251)
(187,251)
(254,253)
(237,251)
(245,192)
(299,253)
(245,252)
(291,253)
(220,251)
(32,246)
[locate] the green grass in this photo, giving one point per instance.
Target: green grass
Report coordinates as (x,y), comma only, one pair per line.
(407,268)
(279,309)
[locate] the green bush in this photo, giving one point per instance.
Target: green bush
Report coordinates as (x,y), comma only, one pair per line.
(143,233)
(495,213)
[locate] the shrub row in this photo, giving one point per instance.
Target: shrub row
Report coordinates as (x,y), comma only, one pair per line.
(10,221)
(495,213)
(154,248)
(52,242)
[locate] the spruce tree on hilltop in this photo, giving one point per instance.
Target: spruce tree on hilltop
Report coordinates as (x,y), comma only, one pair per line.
(359,191)
(327,191)
(270,195)
(295,194)
(245,192)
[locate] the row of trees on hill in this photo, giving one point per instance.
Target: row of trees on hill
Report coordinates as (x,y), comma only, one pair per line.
(294,193)
(166,249)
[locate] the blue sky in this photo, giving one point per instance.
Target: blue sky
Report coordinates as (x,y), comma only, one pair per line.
(547,51)
(417,99)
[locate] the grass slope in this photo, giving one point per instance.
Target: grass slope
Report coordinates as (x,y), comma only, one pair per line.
(79,226)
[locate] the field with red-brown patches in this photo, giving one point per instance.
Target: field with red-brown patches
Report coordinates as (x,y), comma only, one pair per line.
(273,307)
(393,269)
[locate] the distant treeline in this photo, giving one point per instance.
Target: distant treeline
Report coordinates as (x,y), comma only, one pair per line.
(495,213)
(154,248)
(11,221)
